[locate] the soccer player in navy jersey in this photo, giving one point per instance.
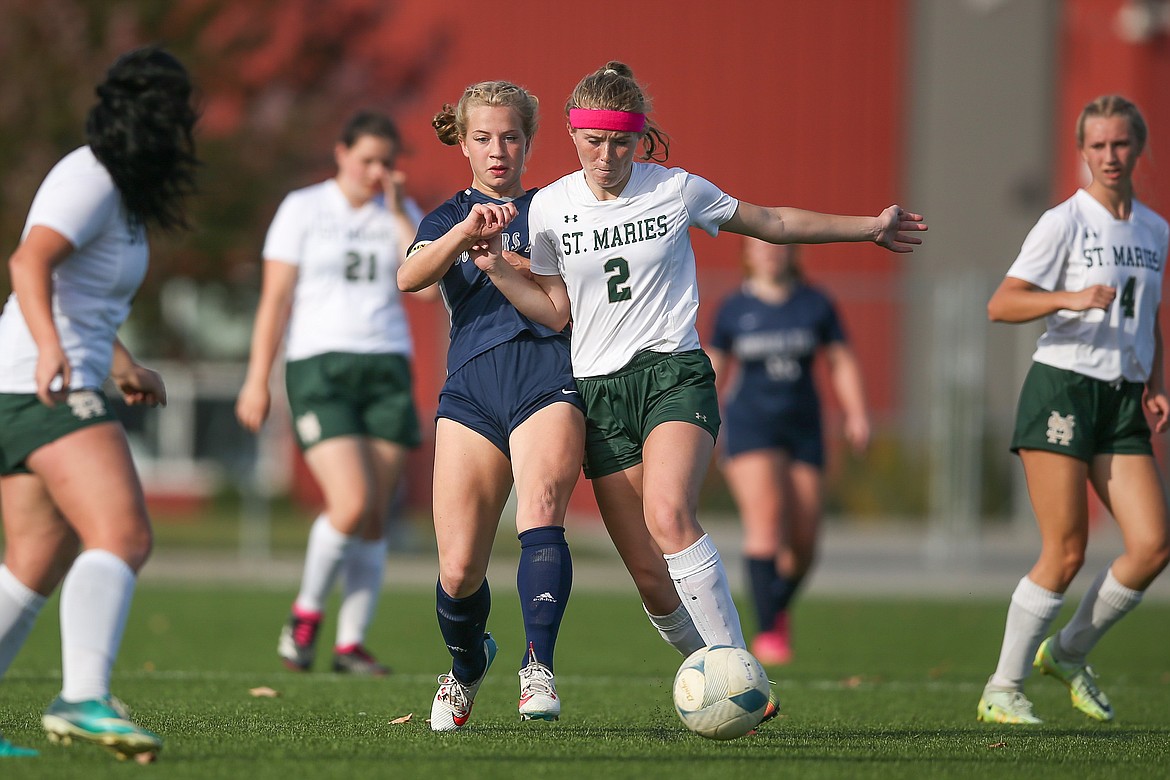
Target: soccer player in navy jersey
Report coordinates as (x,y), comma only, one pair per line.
(509,412)
(763,345)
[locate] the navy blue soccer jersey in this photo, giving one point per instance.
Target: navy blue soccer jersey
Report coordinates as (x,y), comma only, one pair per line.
(481,317)
(774,345)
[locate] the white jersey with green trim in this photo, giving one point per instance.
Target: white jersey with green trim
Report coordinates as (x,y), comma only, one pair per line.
(1078,244)
(628,263)
(347,259)
(92,288)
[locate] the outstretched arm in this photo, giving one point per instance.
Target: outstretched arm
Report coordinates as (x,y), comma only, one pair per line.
(893,229)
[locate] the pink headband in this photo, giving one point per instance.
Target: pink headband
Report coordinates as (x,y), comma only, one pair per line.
(596,119)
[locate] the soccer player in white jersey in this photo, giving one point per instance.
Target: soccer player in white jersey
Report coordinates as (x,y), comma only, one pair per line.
(1092,267)
(67,481)
(330,260)
(611,248)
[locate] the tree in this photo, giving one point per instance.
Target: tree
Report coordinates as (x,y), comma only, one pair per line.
(277,78)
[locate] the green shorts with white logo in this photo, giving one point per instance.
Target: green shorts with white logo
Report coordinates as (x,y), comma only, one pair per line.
(344,394)
(27,425)
(654,387)
(1072,414)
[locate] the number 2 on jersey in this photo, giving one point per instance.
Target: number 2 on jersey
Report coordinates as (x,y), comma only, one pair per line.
(619,273)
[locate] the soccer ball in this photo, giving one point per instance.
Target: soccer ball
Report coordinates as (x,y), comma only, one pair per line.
(721,692)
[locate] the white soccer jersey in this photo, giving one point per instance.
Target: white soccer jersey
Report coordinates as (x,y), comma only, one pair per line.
(346,298)
(1078,244)
(627,263)
(92,288)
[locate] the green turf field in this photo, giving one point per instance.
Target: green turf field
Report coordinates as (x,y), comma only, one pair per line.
(879,688)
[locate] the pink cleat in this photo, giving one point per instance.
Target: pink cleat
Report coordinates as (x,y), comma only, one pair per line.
(774,647)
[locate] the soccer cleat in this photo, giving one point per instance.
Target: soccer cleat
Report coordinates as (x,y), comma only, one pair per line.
(1080,681)
(1000,706)
(451,708)
(103,721)
(538,691)
(774,646)
(771,709)
(356,659)
(8,750)
(298,640)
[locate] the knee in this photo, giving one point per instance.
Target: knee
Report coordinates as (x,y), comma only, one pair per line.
(1157,556)
(350,517)
(460,579)
(543,505)
(42,566)
(671,524)
(136,546)
(1064,564)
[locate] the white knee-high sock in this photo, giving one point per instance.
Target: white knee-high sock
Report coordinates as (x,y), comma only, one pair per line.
(323,559)
(701,582)
(1032,611)
(95,601)
(678,629)
(1106,602)
(19,607)
(362,573)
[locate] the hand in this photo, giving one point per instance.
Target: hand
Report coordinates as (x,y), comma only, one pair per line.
(486,220)
(519,262)
(893,225)
(252,406)
(394,189)
(487,254)
(53,375)
(1158,405)
(141,385)
(1098,296)
(857,433)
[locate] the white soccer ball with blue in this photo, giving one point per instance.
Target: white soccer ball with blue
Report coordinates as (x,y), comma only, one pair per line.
(721,692)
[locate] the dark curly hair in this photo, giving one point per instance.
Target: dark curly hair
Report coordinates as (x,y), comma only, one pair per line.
(141,132)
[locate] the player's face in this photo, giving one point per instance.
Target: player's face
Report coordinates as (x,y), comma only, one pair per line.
(497,149)
(362,168)
(1110,150)
(773,262)
(607,157)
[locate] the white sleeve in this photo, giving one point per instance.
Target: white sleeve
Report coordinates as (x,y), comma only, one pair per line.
(1045,252)
(543,259)
(708,207)
(286,234)
(77,207)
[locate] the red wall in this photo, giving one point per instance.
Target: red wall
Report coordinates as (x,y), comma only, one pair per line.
(778,103)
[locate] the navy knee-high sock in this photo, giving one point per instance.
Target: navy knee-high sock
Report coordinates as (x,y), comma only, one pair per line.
(462,623)
(771,591)
(543,579)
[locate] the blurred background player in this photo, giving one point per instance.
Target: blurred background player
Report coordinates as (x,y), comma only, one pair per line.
(330,258)
(1093,268)
(67,481)
(612,250)
(763,345)
(509,412)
